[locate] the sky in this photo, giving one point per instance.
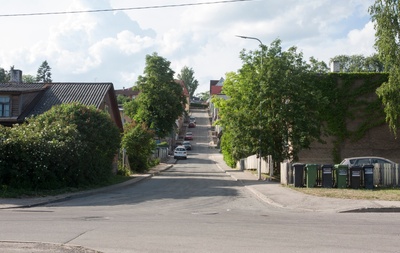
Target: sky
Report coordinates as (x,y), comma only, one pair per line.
(112,46)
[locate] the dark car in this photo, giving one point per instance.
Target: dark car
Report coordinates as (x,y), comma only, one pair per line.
(192,125)
(187,145)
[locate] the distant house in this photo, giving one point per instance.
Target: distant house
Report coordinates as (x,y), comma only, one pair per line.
(216,91)
(127,92)
(21,100)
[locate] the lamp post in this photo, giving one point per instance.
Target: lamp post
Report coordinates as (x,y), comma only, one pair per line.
(259,137)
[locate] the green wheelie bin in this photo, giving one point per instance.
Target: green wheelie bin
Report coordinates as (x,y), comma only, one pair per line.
(341,175)
(311,175)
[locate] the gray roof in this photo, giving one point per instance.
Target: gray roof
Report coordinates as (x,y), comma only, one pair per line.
(59,93)
(20,87)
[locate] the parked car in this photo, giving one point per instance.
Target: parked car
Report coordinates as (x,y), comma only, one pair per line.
(180,152)
(187,145)
(366,160)
(189,136)
(192,124)
(192,119)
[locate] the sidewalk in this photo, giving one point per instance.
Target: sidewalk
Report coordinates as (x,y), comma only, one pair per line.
(283,197)
(31,202)
(270,192)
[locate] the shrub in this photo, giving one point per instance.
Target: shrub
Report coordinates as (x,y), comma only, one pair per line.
(69,145)
(139,144)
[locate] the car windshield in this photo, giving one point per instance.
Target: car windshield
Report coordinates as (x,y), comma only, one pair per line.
(180,149)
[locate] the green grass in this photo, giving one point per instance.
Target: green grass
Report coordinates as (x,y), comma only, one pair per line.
(389,194)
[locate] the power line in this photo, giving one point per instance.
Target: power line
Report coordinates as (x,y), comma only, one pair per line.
(121,9)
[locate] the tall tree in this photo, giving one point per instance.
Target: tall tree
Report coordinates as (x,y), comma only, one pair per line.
(187,76)
(28,79)
(272,104)
(386,17)
(161,100)
(44,73)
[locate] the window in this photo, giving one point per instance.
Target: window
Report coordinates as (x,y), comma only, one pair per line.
(4,106)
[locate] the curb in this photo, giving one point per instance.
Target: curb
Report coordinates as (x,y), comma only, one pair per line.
(59,198)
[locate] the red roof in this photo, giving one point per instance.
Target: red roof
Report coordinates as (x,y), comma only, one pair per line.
(215,90)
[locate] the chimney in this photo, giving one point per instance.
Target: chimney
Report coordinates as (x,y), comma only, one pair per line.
(15,76)
(335,66)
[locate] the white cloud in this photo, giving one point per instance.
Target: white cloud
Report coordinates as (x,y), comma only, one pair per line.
(111,46)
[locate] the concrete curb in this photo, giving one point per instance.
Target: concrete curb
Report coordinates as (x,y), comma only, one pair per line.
(26,203)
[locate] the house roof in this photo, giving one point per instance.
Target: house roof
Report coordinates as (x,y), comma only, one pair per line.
(216,86)
(128,92)
(63,93)
(20,87)
(50,94)
(215,90)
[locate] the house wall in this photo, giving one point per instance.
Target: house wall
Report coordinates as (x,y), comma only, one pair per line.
(20,101)
(377,141)
(106,105)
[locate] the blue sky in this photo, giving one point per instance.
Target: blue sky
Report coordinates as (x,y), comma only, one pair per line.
(112,46)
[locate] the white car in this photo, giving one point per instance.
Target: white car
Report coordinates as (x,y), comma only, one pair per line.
(366,160)
(180,152)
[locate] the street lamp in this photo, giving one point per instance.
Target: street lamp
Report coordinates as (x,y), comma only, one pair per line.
(259,137)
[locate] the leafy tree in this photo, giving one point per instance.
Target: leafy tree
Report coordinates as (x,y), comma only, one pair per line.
(205,95)
(98,134)
(272,99)
(187,76)
(139,144)
(318,66)
(386,14)
(44,73)
(4,76)
(358,63)
(122,99)
(28,79)
(161,100)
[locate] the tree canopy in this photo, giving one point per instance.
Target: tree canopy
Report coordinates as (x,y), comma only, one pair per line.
(386,17)
(187,76)
(161,100)
(4,76)
(44,73)
(271,99)
(359,63)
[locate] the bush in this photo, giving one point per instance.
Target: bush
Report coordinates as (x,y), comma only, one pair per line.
(139,144)
(68,146)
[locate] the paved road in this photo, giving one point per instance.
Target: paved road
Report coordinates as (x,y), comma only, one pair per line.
(195,206)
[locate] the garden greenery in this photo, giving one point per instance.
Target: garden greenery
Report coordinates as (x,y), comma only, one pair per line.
(70,145)
(138,141)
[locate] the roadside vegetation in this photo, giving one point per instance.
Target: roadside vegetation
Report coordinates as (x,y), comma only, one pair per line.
(69,146)
(389,194)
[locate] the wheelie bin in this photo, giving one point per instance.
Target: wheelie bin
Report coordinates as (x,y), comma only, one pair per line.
(298,174)
(368,176)
(341,175)
(311,175)
(327,180)
(355,176)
